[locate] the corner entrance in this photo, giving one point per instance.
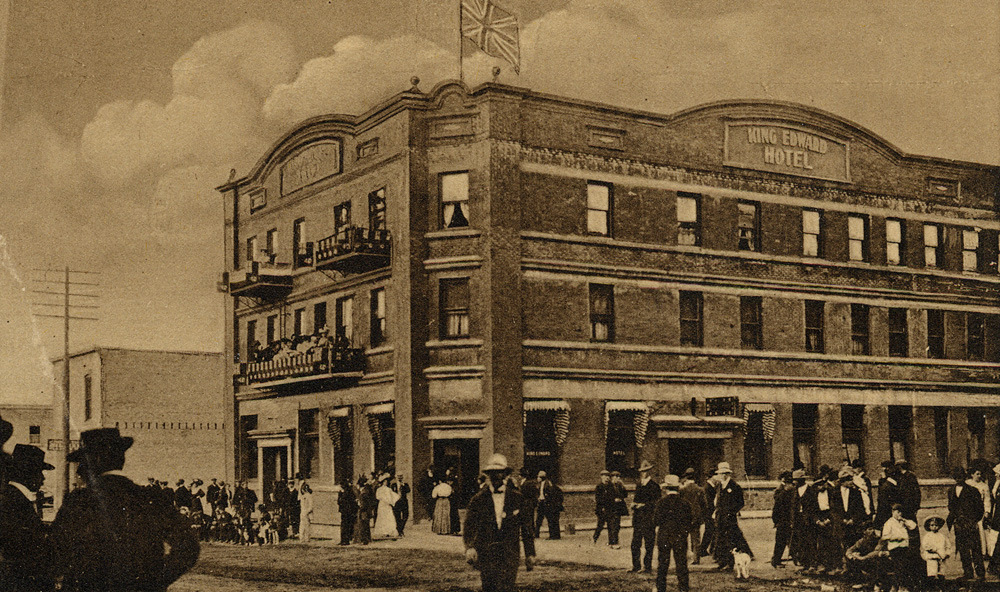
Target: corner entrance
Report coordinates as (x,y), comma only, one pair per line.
(701,454)
(460,457)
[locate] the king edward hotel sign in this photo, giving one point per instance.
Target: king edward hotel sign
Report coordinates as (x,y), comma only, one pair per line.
(785,148)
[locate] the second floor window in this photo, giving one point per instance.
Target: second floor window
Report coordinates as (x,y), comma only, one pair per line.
(253,254)
(975,335)
(377,317)
(272,245)
(688,219)
(298,319)
(857,237)
(860,328)
(272,329)
(455,200)
(933,246)
(34,434)
(376,209)
(935,334)
(690,318)
(454,308)
(899,336)
(812,221)
(602,312)
(251,339)
(970,249)
(599,209)
(344,319)
(894,241)
(751,336)
(319,315)
(299,242)
(748,226)
(341,220)
(814,326)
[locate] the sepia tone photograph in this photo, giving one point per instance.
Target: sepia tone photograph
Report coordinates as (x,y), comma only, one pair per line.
(462,295)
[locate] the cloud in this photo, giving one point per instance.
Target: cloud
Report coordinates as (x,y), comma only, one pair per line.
(360,72)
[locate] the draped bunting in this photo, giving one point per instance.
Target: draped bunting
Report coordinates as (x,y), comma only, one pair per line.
(641,423)
(376,414)
(562,426)
(765,409)
(338,427)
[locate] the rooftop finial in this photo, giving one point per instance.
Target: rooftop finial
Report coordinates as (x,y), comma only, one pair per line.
(415,80)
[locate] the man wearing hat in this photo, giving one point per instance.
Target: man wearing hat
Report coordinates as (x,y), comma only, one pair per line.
(965,510)
(672,519)
(604,497)
(782,516)
(728,503)
(802,546)
(550,505)
(27,554)
(694,495)
(647,493)
(114,534)
(848,510)
(496,524)
(182,495)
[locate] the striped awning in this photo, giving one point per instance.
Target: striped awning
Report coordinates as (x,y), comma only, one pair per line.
(380,409)
(765,409)
(536,405)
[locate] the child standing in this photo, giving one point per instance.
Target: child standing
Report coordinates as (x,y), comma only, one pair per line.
(934,547)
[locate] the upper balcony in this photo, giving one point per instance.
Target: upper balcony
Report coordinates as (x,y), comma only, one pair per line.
(322,362)
(354,250)
(261,280)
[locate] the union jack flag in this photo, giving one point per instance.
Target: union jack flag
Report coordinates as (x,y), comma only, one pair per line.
(493,29)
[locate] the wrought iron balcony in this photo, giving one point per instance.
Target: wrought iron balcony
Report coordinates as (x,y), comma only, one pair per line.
(320,363)
(261,280)
(354,250)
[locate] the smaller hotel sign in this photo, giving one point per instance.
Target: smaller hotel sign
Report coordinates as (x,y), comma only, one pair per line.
(788,149)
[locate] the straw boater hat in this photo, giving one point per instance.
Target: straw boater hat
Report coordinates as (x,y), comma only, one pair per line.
(29,459)
(605,472)
(645,466)
(723,468)
(498,462)
(98,441)
(672,482)
(798,474)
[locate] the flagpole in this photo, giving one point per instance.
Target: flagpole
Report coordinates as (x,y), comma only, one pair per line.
(461,76)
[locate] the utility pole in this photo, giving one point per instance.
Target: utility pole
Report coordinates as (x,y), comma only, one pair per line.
(66,316)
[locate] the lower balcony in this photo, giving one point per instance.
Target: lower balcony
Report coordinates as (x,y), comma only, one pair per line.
(322,363)
(354,250)
(261,280)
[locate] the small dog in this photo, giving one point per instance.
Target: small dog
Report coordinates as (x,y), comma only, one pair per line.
(741,565)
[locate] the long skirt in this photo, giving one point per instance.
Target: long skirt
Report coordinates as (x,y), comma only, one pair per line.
(305,528)
(442,516)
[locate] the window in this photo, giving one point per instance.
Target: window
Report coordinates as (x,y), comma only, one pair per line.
(750,322)
(298,316)
(975,335)
(248,447)
(900,423)
(933,246)
(935,334)
(977,434)
(34,434)
(454,308)
(309,465)
(377,317)
(599,209)
(691,318)
(341,431)
(814,326)
(251,339)
(344,320)
(899,335)
(455,200)
(804,419)
(272,328)
(385,445)
(541,453)
(620,451)
(749,226)
(319,316)
(756,446)
(272,245)
(602,312)
(688,219)
(970,249)
(894,241)
(852,429)
(857,238)
(88,397)
(860,345)
(252,252)
(941,439)
(376,209)
(301,256)
(812,227)
(341,220)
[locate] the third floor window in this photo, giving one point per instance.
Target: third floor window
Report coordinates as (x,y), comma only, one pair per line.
(376,209)
(454,305)
(748,226)
(454,200)
(814,326)
(688,219)
(933,245)
(975,335)
(857,236)
(970,249)
(599,209)
(894,241)
(812,227)
(341,220)
(378,319)
(935,334)
(860,329)
(899,335)
(751,336)
(691,318)
(602,312)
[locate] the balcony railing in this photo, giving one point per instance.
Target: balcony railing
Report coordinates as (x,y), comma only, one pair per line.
(317,364)
(354,250)
(261,280)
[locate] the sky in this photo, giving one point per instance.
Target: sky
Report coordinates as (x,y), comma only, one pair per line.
(119,117)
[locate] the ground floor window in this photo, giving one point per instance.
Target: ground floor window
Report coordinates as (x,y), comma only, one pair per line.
(900,425)
(382,426)
(758,432)
(339,428)
(625,425)
(546,426)
(941,440)
(852,429)
(248,448)
(977,434)
(309,465)
(804,420)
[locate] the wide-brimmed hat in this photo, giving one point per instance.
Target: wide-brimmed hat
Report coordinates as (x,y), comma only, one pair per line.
(723,468)
(29,459)
(100,440)
(672,482)
(497,462)
(689,472)
(798,474)
(933,521)
(645,466)
(605,472)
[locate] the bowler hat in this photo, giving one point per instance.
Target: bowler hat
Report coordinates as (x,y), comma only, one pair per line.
(497,462)
(689,472)
(100,440)
(645,466)
(723,468)
(605,472)
(798,474)
(672,482)
(29,458)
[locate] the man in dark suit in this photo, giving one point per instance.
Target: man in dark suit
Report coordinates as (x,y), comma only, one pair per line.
(550,505)
(401,509)
(347,503)
(604,495)
(212,495)
(672,518)
(496,524)
(425,485)
(529,491)
(728,503)
(647,493)
(112,534)
(182,495)
(965,510)
(848,510)
(694,495)
(782,516)
(27,555)
(888,493)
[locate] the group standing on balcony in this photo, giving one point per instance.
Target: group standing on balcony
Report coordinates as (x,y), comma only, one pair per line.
(289,347)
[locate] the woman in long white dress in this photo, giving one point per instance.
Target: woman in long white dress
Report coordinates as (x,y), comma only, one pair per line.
(385,523)
(305,513)
(442,508)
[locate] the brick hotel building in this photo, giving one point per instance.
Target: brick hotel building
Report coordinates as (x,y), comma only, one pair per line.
(581,286)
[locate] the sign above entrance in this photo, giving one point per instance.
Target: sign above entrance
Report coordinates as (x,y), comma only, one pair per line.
(785,148)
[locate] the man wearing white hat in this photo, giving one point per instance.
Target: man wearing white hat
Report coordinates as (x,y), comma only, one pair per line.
(495,522)
(647,492)
(728,503)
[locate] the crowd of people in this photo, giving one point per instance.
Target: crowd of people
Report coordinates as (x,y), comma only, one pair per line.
(376,506)
(287,347)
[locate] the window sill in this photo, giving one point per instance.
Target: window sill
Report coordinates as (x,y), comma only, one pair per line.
(453,343)
(454,233)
